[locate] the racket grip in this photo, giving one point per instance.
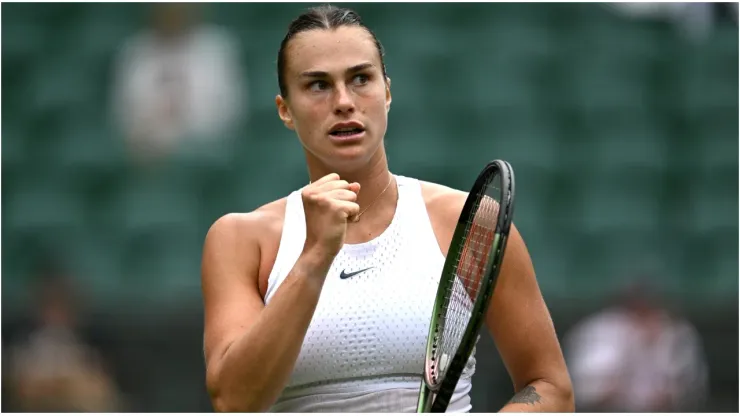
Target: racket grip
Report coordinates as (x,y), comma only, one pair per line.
(443,398)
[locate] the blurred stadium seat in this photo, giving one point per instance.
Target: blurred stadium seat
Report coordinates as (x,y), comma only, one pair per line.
(598,114)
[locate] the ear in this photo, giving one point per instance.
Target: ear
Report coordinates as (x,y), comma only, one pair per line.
(284,112)
(388,97)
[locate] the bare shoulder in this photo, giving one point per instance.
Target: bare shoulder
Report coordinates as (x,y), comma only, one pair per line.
(245,226)
(232,238)
(444,205)
(442,200)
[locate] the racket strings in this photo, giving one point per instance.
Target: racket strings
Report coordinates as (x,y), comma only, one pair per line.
(471,261)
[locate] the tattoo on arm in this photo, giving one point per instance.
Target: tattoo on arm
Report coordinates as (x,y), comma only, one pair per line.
(527,395)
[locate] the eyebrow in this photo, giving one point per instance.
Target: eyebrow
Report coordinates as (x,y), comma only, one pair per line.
(322,74)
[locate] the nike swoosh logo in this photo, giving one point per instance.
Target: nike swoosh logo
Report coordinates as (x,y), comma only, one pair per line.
(345,275)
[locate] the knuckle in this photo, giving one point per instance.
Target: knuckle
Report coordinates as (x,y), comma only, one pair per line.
(337,210)
(323,201)
(316,199)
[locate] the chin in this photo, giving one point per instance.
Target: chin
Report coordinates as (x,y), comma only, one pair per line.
(345,156)
(349,158)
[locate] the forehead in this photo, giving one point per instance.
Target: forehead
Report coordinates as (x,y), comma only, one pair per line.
(331,49)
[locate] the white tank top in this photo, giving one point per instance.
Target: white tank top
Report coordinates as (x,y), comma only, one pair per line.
(365,347)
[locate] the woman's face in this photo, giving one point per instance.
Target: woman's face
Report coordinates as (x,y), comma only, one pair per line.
(338,98)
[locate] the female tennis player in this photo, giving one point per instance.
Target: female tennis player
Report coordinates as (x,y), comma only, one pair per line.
(321,301)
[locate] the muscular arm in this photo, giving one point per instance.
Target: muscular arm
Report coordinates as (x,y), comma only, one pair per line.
(517,318)
(525,336)
(250,348)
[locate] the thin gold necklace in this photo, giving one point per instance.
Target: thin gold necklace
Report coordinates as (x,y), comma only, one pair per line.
(357,217)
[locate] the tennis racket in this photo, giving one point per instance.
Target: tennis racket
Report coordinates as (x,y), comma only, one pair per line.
(467,282)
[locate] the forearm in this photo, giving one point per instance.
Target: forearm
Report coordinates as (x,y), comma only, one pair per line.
(256,367)
(541,396)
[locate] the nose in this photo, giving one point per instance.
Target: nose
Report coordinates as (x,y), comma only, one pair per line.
(344,102)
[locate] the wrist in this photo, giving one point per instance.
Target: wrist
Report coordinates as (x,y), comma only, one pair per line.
(315,262)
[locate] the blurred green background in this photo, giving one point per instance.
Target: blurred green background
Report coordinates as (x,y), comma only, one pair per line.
(623,134)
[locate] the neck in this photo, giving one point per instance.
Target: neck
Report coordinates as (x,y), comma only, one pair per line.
(373,178)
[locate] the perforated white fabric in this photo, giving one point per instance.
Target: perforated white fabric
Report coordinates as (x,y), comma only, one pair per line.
(365,346)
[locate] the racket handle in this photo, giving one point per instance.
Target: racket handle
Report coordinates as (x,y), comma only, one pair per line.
(439,405)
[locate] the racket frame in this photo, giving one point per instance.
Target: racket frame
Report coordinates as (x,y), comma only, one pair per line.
(435,397)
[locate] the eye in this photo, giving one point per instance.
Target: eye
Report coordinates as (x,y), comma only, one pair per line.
(318,85)
(361,79)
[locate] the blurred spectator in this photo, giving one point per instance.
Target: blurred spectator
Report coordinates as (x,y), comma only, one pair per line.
(636,357)
(694,20)
(180,79)
(52,369)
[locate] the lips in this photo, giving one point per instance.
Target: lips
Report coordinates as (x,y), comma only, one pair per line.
(346,129)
